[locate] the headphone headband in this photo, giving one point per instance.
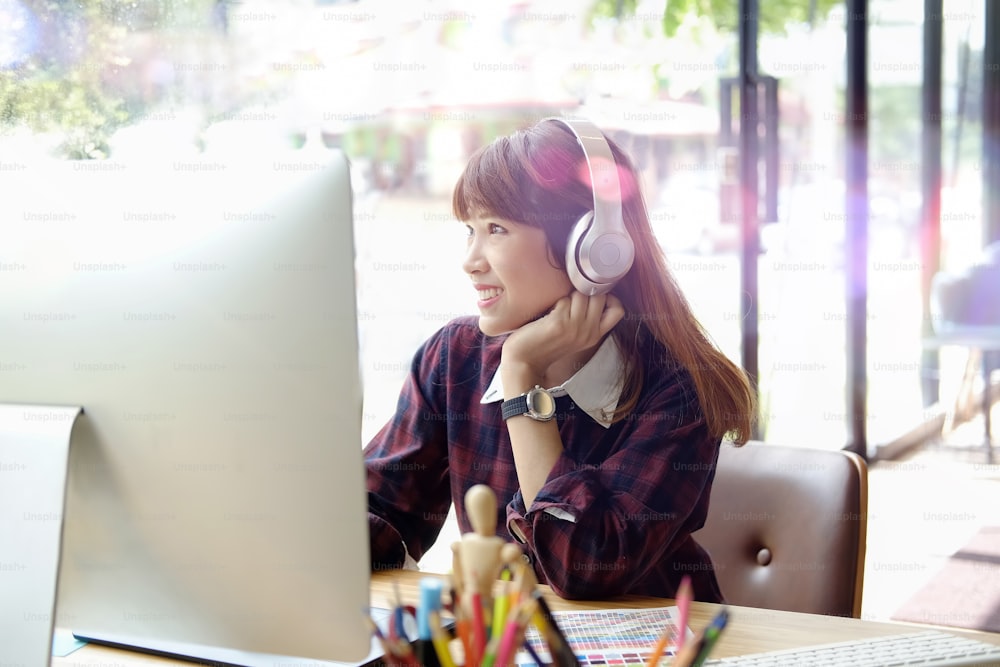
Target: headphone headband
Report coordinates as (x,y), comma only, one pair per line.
(602,169)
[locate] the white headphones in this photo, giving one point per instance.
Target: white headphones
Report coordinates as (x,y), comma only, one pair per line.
(600,251)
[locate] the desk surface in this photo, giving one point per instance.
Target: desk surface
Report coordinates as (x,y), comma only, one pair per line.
(750,630)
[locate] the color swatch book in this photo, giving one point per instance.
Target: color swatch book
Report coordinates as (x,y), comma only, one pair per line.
(609,637)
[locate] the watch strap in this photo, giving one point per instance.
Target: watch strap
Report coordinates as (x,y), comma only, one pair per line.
(514,407)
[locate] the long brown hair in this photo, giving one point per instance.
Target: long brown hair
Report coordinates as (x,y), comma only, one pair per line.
(530,177)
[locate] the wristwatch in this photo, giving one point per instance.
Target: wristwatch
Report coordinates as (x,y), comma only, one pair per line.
(537,403)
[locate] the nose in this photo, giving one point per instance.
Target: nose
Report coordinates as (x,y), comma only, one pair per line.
(474,260)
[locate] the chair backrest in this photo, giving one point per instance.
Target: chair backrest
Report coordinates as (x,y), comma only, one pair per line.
(787,526)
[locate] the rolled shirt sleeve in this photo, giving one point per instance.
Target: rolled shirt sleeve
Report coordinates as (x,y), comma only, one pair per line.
(623,523)
(407,466)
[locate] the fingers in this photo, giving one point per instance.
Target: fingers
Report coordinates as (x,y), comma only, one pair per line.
(581,312)
(612,314)
(586,318)
(592,316)
(575,322)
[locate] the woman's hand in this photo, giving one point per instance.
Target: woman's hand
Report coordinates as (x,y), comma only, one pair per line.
(576,324)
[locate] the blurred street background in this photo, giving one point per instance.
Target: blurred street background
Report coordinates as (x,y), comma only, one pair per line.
(410,90)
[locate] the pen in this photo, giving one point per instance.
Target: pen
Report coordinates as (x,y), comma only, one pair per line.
(430,600)
(512,633)
(397,623)
(698,649)
(686,656)
(478,629)
(501,605)
(711,636)
(562,652)
(526,644)
(378,635)
(463,632)
(440,640)
(490,652)
(661,644)
(396,619)
(684,595)
(393,651)
(430,603)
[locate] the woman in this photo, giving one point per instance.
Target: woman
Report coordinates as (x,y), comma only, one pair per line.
(603,497)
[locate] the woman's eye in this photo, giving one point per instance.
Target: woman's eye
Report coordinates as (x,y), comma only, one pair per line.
(497,229)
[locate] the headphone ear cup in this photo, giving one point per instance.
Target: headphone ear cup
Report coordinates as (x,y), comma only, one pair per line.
(607,257)
(574,260)
(596,261)
(599,251)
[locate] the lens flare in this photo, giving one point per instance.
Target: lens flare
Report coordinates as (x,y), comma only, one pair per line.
(606,175)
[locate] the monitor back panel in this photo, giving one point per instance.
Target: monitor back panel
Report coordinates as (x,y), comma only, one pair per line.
(204,317)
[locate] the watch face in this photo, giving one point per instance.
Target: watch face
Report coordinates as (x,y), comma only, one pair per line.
(541,405)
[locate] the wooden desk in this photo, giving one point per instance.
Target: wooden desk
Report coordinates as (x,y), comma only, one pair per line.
(750,630)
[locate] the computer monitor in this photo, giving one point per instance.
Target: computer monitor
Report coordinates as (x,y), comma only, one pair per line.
(203,314)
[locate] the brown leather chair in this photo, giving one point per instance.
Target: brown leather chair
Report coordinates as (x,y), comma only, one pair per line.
(787,526)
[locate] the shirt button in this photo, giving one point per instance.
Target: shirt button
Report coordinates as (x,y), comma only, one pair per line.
(526,558)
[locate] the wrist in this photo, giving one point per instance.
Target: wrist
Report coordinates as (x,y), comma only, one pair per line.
(518,377)
(538,404)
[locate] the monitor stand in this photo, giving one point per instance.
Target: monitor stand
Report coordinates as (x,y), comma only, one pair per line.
(34,457)
(227,657)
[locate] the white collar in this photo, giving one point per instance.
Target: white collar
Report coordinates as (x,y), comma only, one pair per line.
(595,388)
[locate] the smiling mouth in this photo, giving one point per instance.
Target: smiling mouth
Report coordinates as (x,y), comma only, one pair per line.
(491,293)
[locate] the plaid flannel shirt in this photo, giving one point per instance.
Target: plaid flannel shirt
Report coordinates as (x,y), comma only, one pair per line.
(616,513)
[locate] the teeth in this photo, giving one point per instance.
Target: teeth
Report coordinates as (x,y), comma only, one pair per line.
(486,294)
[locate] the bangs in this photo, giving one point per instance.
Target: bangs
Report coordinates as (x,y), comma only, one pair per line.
(507,180)
(488,186)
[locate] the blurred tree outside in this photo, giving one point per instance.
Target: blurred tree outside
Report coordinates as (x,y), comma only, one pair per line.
(55,58)
(78,71)
(775,15)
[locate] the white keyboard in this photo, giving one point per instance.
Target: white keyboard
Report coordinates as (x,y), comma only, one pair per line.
(920,649)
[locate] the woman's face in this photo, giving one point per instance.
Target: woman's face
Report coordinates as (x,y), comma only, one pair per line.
(512,271)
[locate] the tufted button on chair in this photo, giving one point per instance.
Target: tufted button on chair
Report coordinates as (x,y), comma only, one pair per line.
(787,526)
